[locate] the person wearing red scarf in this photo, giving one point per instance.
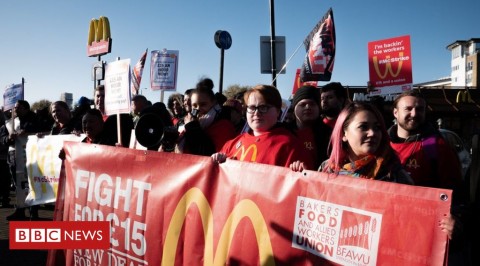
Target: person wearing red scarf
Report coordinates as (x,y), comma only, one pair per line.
(361,146)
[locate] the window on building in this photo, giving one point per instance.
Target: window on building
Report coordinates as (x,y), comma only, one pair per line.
(469,78)
(469,65)
(456,52)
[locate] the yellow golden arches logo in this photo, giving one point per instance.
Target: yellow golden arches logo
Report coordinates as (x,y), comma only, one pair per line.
(464,97)
(245,208)
(44,161)
(99,30)
(244,153)
(412,163)
(388,67)
(99,39)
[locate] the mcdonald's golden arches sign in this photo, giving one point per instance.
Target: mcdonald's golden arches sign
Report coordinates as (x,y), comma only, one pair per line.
(99,39)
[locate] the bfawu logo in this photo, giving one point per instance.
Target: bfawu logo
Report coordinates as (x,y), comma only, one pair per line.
(342,234)
(59,235)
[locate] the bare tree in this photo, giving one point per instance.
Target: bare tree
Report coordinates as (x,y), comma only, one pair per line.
(234,90)
(40,105)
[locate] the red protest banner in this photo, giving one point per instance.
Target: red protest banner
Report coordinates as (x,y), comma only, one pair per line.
(390,65)
(173,209)
(297,83)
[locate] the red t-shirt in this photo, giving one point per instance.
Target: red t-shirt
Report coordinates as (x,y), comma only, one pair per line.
(277,147)
(330,123)
(220,132)
(414,159)
(306,137)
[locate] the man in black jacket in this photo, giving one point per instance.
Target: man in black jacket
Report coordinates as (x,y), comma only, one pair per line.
(29,124)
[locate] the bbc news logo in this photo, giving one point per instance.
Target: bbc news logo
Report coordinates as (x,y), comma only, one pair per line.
(60,235)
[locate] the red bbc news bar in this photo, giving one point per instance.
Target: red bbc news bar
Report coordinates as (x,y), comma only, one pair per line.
(60,235)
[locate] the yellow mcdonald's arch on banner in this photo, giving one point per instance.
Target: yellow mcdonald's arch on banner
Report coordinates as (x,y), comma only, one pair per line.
(245,208)
(244,153)
(40,157)
(99,38)
(388,67)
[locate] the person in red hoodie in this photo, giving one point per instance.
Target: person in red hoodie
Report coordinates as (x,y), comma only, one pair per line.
(207,128)
(266,142)
(428,158)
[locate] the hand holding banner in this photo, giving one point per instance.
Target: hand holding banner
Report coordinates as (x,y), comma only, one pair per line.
(171,203)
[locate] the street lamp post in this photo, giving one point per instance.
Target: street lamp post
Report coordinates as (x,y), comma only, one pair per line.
(272,43)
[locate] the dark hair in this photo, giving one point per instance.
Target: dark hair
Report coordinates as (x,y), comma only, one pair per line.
(94,112)
(188,92)
(140,98)
(337,88)
(62,104)
(413,93)
(174,97)
(205,86)
(24,104)
(100,88)
(269,93)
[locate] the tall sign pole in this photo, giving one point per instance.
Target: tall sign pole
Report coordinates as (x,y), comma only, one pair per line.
(272,43)
(223,40)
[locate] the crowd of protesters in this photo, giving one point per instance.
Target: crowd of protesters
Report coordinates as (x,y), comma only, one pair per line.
(323,131)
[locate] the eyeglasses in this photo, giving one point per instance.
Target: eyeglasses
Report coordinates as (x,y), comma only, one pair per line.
(261,109)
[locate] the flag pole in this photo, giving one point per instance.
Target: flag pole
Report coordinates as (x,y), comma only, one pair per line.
(273,52)
(286,63)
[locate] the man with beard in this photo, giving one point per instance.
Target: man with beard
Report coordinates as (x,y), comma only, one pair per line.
(423,152)
(431,162)
(333,98)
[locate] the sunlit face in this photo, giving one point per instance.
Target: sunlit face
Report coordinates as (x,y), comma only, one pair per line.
(331,105)
(100,100)
(306,111)
(410,113)
(60,115)
(177,107)
(187,103)
(92,126)
(202,102)
(20,111)
(260,122)
(363,135)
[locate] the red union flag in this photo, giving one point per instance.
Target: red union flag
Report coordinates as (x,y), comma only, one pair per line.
(320,45)
(390,65)
(180,209)
(137,72)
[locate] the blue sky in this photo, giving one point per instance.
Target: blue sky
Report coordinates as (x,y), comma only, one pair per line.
(45,41)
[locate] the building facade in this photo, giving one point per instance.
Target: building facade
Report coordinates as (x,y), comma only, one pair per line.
(465,62)
(68,98)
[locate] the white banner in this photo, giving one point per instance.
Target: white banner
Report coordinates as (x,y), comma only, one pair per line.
(43,167)
(117,87)
(12,94)
(163,70)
